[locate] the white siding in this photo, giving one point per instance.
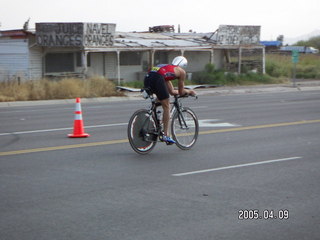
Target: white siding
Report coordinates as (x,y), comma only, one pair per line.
(96,67)
(35,63)
(130,73)
(14,58)
(111,65)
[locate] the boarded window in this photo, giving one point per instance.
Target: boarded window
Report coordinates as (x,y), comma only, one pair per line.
(130,58)
(59,62)
(161,57)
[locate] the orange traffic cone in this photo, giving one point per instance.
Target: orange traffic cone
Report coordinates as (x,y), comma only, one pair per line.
(78,129)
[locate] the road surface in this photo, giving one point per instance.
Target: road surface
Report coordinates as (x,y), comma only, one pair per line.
(253,174)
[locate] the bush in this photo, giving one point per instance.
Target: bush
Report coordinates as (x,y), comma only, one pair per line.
(100,87)
(218,77)
(209,76)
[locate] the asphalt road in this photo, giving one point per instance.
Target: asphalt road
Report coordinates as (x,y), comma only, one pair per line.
(253,174)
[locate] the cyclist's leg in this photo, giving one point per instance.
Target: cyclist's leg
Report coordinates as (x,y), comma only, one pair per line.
(159,87)
(166,115)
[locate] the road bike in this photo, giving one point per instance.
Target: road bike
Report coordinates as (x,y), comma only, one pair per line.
(145,126)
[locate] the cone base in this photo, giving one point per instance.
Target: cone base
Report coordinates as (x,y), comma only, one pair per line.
(79,135)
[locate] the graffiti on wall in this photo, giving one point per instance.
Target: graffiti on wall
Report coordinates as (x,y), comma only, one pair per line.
(238,35)
(75,34)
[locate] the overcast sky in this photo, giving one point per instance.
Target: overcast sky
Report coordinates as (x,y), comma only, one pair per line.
(286,17)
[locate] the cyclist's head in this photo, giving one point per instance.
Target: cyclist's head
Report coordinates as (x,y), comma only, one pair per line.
(180,61)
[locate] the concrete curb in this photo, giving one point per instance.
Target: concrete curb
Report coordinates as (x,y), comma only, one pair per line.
(227,91)
(65,101)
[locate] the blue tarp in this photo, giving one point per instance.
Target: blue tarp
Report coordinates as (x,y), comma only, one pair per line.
(271,43)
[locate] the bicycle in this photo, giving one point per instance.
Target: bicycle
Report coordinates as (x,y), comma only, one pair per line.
(145,127)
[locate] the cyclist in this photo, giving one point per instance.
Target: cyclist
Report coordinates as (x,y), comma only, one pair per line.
(158,80)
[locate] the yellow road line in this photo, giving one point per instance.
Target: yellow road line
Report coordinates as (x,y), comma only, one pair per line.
(110,142)
(62,147)
(260,126)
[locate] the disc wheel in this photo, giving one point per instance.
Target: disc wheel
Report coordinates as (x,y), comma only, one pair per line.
(141,129)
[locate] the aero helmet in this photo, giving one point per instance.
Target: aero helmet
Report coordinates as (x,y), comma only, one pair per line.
(180,61)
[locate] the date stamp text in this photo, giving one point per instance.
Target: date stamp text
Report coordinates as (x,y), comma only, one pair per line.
(255,214)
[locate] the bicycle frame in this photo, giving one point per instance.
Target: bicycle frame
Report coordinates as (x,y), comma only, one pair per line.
(176,106)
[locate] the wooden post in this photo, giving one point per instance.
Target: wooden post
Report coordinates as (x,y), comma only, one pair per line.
(212,56)
(151,58)
(263,60)
(239,61)
(118,64)
(104,64)
(84,63)
(43,62)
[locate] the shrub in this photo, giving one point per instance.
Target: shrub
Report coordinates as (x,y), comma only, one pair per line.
(218,77)
(100,87)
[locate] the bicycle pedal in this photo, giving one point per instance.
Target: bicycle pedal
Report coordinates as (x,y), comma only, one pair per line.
(168,143)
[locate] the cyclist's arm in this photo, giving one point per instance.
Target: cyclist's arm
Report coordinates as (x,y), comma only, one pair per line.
(181,75)
(171,89)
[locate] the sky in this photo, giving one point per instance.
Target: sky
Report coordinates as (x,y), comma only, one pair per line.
(276,17)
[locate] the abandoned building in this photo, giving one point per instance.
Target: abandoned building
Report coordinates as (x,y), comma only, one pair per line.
(88,49)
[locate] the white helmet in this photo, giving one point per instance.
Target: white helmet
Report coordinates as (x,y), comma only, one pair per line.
(180,61)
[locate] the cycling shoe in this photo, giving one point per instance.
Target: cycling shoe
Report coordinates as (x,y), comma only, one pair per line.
(168,140)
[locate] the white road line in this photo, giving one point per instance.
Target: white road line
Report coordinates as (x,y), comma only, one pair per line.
(202,123)
(235,166)
(61,129)
(194,107)
(213,123)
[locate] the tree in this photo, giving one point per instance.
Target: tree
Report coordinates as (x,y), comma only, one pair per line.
(312,42)
(280,38)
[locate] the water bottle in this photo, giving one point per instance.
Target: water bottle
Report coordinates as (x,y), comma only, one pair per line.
(159,116)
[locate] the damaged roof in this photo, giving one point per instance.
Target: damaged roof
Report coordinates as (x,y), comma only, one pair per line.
(150,40)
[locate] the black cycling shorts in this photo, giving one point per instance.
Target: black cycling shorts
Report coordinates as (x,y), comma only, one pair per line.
(157,85)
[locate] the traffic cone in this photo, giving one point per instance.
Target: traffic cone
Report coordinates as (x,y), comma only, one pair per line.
(78,129)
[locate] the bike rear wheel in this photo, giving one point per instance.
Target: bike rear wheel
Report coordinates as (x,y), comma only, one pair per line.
(185,128)
(142,132)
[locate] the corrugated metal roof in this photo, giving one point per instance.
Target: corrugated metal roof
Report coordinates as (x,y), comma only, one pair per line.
(161,40)
(18,33)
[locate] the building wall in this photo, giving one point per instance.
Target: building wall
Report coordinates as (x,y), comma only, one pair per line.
(96,66)
(218,58)
(35,63)
(18,58)
(14,59)
(197,60)
(35,59)
(111,65)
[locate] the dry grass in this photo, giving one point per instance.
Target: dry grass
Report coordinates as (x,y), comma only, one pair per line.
(57,89)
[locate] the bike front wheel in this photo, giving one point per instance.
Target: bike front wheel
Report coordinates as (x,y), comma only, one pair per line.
(185,128)
(142,132)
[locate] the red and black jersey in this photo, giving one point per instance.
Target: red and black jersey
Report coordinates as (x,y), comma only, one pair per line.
(165,70)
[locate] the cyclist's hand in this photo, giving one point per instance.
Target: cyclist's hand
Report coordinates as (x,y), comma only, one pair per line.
(192,93)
